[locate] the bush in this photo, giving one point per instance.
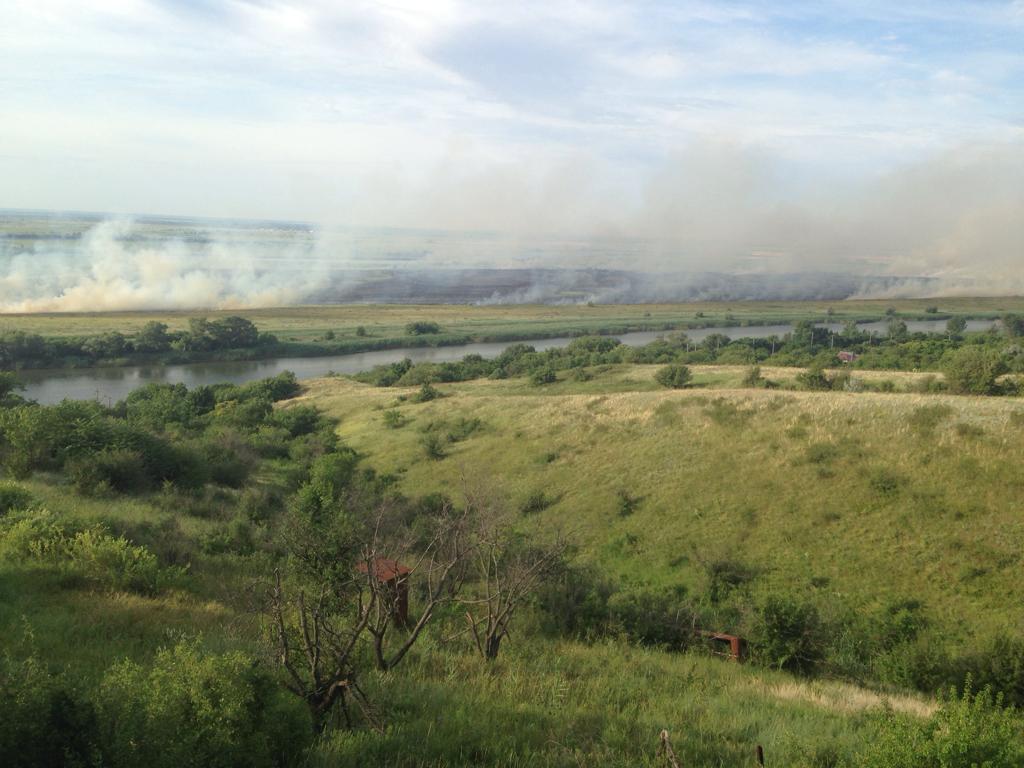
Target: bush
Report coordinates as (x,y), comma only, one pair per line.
(814,378)
(421,327)
(258,504)
(13,497)
(226,456)
(298,420)
(433,446)
(394,419)
(543,376)
(886,482)
(673,376)
(968,731)
(462,428)
(1001,668)
(113,563)
(195,708)
(973,370)
(753,377)
(235,538)
(789,635)
(574,602)
(653,617)
(45,723)
(92,555)
(627,502)
(725,576)
(536,502)
(109,470)
(427,393)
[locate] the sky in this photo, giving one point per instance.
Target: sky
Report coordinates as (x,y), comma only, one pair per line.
(862,132)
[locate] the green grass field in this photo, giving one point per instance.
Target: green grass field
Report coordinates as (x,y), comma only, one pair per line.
(853,498)
(387,321)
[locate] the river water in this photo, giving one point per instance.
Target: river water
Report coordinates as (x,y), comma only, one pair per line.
(108,385)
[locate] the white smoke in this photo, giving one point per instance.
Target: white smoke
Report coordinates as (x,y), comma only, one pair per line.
(106,271)
(948,224)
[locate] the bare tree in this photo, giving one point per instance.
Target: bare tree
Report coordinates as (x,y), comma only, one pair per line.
(507,569)
(434,563)
(346,586)
(317,638)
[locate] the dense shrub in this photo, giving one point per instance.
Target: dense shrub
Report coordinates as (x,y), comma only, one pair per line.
(789,635)
(13,497)
(426,394)
(973,370)
(925,419)
(330,476)
(159,406)
(968,731)
(113,563)
(814,378)
(44,721)
(725,576)
(433,446)
(394,419)
(543,376)
(195,708)
(236,538)
(653,617)
(421,327)
(298,420)
(753,377)
(109,470)
(1001,668)
(574,602)
(673,376)
(91,555)
(536,502)
(259,504)
(227,457)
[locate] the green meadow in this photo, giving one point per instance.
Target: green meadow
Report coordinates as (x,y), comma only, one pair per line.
(496,322)
(885,527)
(851,498)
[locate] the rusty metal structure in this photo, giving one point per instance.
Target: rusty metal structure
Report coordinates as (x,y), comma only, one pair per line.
(395,578)
(731,647)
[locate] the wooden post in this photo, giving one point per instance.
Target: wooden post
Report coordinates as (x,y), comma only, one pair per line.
(666,751)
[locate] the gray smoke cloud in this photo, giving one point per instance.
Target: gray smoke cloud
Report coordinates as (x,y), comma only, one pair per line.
(713,218)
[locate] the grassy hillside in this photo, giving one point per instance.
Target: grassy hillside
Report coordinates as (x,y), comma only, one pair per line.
(901,510)
(545,702)
(852,499)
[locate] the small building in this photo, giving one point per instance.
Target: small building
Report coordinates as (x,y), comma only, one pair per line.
(395,578)
(846,357)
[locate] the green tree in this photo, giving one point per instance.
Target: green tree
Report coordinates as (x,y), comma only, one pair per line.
(8,383)
(152,337)
(974,370)
(673,376)
(1013,325)
(955,326)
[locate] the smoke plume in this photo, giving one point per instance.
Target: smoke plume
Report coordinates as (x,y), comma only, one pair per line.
(716,220)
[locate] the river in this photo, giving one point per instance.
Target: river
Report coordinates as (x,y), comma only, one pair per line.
(108,385)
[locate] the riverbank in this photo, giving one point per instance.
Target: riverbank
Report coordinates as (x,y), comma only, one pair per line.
(328,331)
